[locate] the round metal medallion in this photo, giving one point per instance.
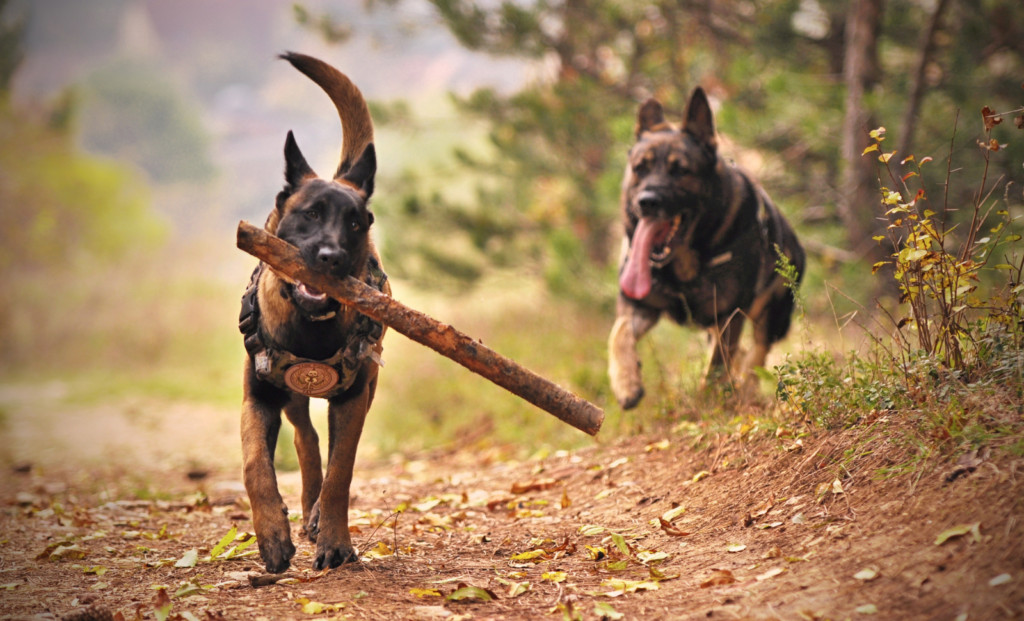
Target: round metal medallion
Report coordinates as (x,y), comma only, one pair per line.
(311,378)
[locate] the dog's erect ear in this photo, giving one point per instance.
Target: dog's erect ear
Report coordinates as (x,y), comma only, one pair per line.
(700,121)
(651,117)
(296,170)
(361,173)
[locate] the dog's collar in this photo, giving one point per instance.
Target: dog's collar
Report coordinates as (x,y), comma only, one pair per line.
(313,378)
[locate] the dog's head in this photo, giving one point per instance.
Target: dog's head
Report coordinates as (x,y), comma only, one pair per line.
(328,220)
(670,177)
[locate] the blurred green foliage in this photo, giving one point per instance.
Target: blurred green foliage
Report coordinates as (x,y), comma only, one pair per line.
(133,113)
(543,194)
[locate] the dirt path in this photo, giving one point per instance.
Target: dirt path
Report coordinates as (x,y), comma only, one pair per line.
(786,528)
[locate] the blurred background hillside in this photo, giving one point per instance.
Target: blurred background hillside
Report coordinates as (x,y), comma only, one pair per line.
(134,134)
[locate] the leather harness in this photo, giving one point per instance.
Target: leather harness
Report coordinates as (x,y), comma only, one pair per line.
(313,378)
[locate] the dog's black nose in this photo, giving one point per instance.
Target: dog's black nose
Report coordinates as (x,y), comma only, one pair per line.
(330,258)
(649,201)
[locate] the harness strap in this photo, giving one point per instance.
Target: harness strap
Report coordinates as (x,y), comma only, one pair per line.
(273,366)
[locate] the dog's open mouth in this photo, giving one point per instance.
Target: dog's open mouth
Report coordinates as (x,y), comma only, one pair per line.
(310,298)
(651,235)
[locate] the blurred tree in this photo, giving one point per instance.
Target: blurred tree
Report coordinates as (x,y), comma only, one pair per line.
(797,84)
(59,209)
(133,114)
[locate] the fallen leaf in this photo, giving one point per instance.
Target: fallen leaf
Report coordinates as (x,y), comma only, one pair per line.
(956,531)
(161,605)
(771,525)
(565,503)
(735,547)
(381,550)
(99,586)
(618,462)
(621,587)
(590,530)
(669,529)
(700,475)
(798,518)
(866,574)
(315,608)
(554,576)
(425,592)
(604,610)
(866,609)
(1000,579)
(68,553)
(659,576)
(773,552)
(718,578)
(837,487)
(657,446)
(471,592)
(596,553)
(771,573)
(534,485)
(672,514)
(189,559)
(648,556)
(426,505)
(532,555)
(518,588)
(620,543)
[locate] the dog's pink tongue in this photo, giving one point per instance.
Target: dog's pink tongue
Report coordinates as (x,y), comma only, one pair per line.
(635,280)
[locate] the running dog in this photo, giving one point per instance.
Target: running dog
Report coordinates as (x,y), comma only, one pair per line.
(301,343)
(702,244)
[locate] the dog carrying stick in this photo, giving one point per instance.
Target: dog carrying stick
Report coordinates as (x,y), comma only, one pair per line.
(440,337)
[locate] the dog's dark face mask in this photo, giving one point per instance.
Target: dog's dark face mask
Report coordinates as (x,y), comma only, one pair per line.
(667,184)
(328,221)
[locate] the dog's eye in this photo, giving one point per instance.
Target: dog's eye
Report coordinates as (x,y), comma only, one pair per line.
(640,168)
(675,169)
(312,214)
(355,226)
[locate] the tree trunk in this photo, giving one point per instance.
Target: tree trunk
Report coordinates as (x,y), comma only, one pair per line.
(917,88)
(859,205)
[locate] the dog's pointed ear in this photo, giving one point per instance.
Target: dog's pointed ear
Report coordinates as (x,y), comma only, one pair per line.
(362,172)
(650,117)
(700,121)
(296,170)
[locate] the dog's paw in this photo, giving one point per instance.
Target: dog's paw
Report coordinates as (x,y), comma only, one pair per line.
(331,556)
(276,552)
(630,401)
(312,526)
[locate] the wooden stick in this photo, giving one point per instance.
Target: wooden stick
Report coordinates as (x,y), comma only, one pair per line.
(440,337)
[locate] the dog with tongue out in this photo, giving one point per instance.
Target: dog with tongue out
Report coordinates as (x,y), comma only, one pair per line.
(703,240)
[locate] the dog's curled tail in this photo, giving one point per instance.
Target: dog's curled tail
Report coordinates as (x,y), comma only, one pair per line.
(356,125)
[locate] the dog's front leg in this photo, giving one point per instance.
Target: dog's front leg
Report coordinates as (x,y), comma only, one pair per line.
(631,323)
(261,422)
(345,417)
(307,448)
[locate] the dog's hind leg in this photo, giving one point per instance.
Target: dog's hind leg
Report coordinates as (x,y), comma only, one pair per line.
(724,341)
(771,315)
(346,416)
(307,448)
(261,422)
(631,324)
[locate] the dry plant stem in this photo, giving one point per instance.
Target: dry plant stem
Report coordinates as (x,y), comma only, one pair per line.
(425,330)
